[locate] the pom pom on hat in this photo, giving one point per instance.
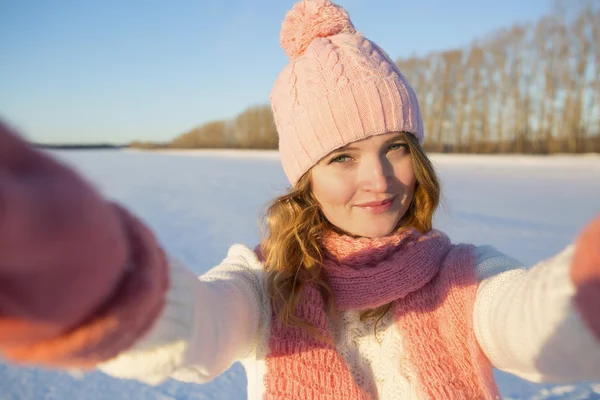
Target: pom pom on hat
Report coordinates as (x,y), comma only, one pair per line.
(311,19)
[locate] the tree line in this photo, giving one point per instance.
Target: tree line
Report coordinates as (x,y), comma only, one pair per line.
(529,88)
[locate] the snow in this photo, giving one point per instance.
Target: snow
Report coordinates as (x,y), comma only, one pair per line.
(200,202)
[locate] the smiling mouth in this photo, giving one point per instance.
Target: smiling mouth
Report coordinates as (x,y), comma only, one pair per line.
(377,203)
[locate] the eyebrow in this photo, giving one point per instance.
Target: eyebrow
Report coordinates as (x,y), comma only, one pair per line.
(349,146)
(395,138)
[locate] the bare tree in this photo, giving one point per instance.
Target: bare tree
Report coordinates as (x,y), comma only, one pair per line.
(525,88)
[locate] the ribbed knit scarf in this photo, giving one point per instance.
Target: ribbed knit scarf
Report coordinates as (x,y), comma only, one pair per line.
(432,286)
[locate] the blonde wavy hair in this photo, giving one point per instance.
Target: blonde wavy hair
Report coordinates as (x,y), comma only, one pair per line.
(292,232)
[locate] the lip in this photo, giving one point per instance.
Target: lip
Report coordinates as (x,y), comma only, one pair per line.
(377,207)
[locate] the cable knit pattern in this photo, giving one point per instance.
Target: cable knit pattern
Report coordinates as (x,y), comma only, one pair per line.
(339,87)
(377,361)
(233,317)
(448,360)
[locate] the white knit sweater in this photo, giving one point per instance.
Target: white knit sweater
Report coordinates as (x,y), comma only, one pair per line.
(524,320)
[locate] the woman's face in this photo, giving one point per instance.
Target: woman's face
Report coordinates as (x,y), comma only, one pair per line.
(365,188)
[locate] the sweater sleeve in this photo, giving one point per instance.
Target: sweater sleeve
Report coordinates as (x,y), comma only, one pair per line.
(208,323)
(526,321)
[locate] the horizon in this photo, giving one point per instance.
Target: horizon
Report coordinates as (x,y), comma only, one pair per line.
(115,73)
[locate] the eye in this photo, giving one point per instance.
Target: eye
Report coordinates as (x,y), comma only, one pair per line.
(397,146)
(339,159)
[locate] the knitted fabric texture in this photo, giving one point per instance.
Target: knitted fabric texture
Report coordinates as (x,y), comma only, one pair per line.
(432,287)
(585,274)
(127,315)
(339,87)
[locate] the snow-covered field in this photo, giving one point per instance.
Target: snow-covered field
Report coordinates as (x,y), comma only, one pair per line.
(201,202)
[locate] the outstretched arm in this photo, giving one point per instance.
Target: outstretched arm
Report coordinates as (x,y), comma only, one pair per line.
(84,283)
(541,323)
(75,270)
(209,322)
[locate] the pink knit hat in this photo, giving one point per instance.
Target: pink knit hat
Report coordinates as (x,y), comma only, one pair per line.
(339,87)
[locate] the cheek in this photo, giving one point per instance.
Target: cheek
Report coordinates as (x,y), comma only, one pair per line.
(331,190)
(405,174)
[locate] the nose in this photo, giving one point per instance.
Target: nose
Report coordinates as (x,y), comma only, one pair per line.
(376,174)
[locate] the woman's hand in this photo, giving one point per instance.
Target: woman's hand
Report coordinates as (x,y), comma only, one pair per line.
(585,273)
(62,247)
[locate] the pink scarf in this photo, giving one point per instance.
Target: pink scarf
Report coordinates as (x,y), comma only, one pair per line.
(432,286)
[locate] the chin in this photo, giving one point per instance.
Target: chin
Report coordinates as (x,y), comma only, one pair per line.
(380,226)
(375,231)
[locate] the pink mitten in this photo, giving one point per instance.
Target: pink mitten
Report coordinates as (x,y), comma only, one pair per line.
(80,279)
(585,273)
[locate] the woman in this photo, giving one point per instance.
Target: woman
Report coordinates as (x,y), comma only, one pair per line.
(351,294)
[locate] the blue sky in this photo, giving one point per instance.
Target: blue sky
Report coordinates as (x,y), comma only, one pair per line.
(116,71)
